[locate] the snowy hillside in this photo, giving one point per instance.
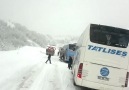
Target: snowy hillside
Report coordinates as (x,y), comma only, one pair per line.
(14,35)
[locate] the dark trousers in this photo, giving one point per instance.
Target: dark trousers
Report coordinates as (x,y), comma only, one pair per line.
(48,60)
(70,65)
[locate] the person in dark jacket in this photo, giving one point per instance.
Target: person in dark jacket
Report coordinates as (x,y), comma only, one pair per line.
(49,58)
(70,62)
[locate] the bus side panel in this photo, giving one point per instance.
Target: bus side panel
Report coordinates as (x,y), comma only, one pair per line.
(79,56)
(104,57)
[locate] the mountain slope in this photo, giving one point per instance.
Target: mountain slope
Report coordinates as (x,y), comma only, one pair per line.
(14,35)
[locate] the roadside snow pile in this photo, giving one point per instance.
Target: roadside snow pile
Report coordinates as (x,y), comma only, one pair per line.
(14,63)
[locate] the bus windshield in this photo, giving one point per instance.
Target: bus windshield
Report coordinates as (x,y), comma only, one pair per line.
(110,36)
(72,46)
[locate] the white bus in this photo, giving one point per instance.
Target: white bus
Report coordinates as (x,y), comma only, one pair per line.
(102,58)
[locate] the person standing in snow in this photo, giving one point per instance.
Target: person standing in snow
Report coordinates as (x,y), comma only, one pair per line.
(70,62)
(62,54)
(58,53)
(49,58)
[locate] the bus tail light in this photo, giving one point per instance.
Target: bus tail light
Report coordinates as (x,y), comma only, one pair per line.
(79,74)
(126,81)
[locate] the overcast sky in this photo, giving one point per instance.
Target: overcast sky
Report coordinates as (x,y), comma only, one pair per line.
(65,17)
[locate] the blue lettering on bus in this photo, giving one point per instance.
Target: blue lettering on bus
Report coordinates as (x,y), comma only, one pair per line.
(106,50)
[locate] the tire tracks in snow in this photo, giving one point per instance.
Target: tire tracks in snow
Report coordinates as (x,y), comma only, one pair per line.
(55,76)
(47,79)
(29,77)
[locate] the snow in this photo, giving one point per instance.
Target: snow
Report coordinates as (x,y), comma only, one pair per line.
(24,69)
(10,24)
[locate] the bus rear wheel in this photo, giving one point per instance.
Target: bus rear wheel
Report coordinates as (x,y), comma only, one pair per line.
(74,80)
(74,83)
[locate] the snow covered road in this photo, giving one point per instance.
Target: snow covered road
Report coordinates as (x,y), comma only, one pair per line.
(25,69)
(55,76)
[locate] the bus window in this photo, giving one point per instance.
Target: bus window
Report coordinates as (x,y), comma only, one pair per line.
(109,36)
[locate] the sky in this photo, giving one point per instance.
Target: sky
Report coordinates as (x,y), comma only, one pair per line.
(65,17)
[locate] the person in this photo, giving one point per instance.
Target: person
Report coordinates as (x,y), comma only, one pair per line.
(70,62)
(62,56)
(49,58)
(58,53)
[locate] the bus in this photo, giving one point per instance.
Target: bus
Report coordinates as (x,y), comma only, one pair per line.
(102,58)
(69,50)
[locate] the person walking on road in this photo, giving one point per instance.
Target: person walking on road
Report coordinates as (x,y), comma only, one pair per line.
(49,58)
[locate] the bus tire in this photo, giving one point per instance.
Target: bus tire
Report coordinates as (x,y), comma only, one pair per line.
(74,83)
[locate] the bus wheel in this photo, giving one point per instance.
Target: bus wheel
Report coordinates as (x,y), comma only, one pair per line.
(74,80)
(74,83)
